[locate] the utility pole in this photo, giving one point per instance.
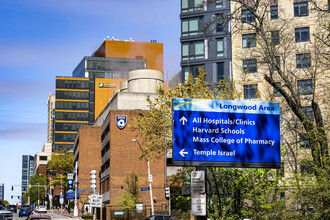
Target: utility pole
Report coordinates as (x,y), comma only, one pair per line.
(75,211)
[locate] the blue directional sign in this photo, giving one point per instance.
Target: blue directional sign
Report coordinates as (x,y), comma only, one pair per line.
(71,196)
(145,188)
(226,133)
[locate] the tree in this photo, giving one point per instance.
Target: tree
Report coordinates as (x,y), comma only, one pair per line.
(228,188)
(34,192)
(297,69)
(154,126)
(314,123)
(61,163)
(4,202)
(128,200)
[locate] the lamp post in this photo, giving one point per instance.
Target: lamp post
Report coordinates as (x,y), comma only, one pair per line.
(149,178)
(38,193)
(61,196)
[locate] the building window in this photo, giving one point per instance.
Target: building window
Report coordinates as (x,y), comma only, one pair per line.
(249,40)
(250,66)
(42,157)
(303,60)
(220,50)
(278,62)
(304,143)
(274,12)
(300,9)
(302,34)
(275,37)
(247,16)
(219,4)
(193,50)
(308,110)
(276,92)
(192,26)
(281,170)
(250,91)
(191,5)
(220,23)
(305,87)
(221,71)
(306,168)
(194,70)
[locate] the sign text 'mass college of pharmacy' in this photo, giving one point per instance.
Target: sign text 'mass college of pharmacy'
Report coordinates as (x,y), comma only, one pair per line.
(226,133)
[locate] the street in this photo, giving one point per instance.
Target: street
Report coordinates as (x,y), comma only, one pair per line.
(55,216)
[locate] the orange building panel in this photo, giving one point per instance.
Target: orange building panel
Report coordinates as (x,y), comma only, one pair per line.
(104,89)
(152,52)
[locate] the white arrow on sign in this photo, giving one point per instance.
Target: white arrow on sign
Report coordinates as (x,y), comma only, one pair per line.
(183,153)
(183,120)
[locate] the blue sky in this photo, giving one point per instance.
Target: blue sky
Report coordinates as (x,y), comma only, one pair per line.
(42,39)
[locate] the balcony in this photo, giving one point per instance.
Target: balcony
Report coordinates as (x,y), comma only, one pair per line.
(105,141)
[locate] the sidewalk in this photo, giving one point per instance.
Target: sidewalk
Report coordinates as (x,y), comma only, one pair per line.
(66,213)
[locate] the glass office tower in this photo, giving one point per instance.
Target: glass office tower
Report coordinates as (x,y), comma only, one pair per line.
(27,171)
(205,39)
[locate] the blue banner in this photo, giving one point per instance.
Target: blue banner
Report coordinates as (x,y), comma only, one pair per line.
(226,133)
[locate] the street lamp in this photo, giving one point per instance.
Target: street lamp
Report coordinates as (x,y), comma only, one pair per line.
(149,177)
(38,193)
(61,198)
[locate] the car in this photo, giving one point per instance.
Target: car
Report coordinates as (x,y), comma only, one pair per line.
(161,217)
(41,209)
(5,213)
(38,217)
(24,211)
(12,208)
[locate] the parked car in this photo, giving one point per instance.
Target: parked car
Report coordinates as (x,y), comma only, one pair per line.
(38,217)
(5,213)
(161,217)
(24,211)
(41,209)
(12,208)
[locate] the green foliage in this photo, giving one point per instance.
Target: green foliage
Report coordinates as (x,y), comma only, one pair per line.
(61,163)
(87,216)
(36,192)
(127,201)
(4,202)
(154,126)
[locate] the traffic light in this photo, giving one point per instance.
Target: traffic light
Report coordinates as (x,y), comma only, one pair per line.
(167,192)
(24,188)
(12,188)
(70,184)
(93,181)
(11,197)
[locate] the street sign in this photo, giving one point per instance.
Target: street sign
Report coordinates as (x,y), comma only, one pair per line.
(145,188)
(96,201)
(226,133)
(70,176)
(61,201)
(197,182)
(198,204)
(71,196)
